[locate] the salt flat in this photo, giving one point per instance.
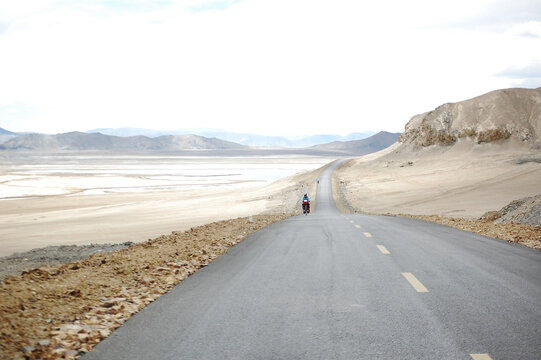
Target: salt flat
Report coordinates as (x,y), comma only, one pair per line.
(55,200)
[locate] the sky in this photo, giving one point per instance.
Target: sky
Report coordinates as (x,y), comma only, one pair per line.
(273,67)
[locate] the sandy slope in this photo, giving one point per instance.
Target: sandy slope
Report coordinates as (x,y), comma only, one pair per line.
(463,180)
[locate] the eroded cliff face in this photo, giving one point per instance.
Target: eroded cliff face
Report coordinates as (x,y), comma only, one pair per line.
(496,116)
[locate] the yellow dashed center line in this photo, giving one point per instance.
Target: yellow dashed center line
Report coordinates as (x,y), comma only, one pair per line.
(415,283)
(480,357)
(358,226)
(367,234)
(383,249)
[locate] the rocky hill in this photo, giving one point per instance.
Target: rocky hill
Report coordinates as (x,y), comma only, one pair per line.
(78,141)
(372,144)
(496,116)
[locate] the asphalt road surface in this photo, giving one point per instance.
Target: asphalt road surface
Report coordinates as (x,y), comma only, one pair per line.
(335,286)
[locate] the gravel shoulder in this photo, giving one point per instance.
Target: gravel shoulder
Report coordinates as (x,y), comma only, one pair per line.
(524,234)
(52,255)
(517,222)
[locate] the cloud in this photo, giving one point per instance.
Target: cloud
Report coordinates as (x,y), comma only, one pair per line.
(207,5)
(531,29)
(527,76)
(275,67)
(13,113)
(4,25)
(118,7)
(492,15)
(530,83)
(532,70)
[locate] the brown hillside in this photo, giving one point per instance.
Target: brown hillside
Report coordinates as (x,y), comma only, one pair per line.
(498,115)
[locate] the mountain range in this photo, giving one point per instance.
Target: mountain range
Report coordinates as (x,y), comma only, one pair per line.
(79,141)
(240,138)
(369,145)
(6,135)
(508,114)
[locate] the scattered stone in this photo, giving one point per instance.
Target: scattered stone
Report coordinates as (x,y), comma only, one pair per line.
(53,255)
(491,216)
(45,342)
(527,235)
(28,349)
(524,211)
(77,304)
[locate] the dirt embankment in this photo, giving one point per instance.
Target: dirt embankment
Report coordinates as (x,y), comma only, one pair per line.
(62,311)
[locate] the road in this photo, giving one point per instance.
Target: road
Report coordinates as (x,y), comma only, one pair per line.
(334,286)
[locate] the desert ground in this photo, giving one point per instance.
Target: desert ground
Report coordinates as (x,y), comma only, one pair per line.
(66,202)
(465,180)
(456,173)
(86,298)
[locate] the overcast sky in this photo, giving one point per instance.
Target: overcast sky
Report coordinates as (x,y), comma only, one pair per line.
(276,67)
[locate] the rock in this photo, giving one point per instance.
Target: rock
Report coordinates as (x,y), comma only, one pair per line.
(161,268)
(45,342)
(76,293)
(525,211)
(491,216)
(28,349)
(113,302)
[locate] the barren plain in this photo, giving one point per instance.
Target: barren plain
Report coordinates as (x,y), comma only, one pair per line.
(77,200)
(465,180)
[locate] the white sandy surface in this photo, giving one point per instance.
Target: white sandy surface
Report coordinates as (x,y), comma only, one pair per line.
(90,207)
(464,180)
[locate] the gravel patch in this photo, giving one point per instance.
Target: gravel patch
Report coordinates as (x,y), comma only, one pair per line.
(16,263)
(524,211)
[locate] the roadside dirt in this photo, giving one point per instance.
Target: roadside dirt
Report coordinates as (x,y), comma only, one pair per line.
(62,311)
(16,263)
(527,235)
(524,234)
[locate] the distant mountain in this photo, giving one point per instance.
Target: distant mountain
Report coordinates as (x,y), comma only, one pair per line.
(6,135)
(129,131)
(6,132)
(77,141)
(369,145)
(240,138)
(496,116)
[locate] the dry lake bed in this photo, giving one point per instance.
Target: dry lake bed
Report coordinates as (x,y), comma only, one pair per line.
(82,199)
